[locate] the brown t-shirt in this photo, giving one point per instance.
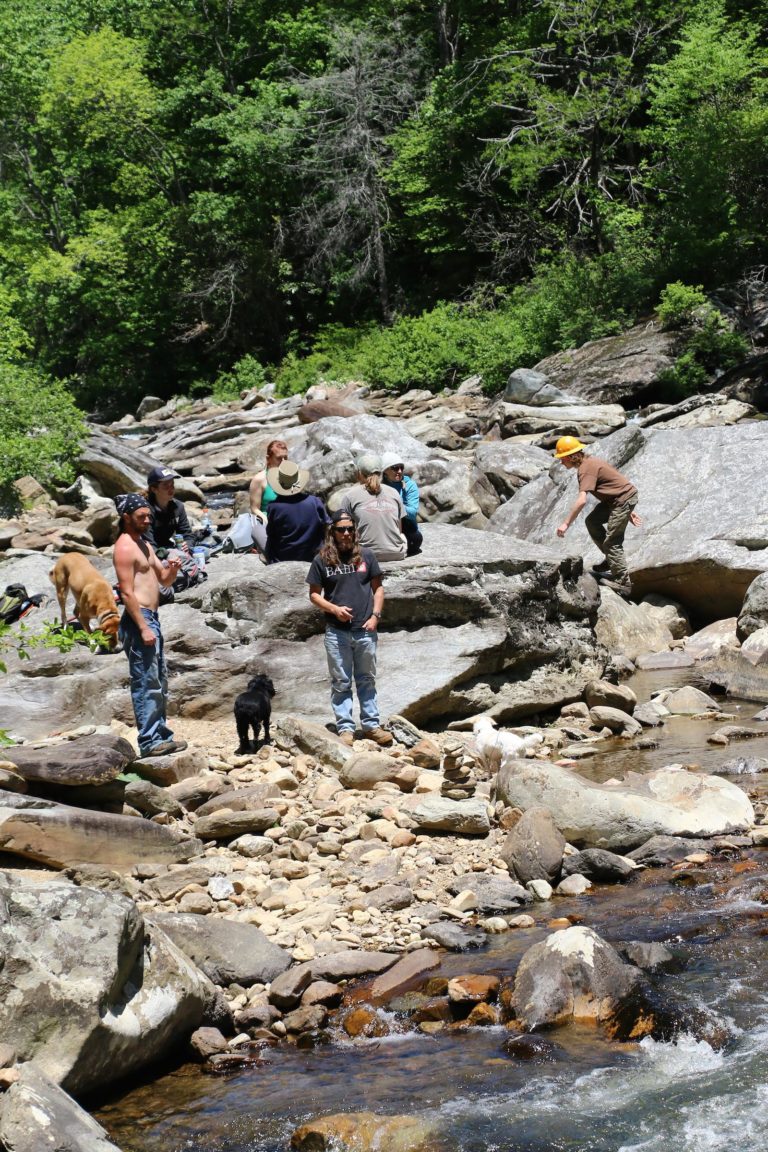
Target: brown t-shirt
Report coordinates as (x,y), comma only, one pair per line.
(604,481)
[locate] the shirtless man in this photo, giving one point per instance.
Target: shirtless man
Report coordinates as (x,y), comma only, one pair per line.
(261,495)
(140,575)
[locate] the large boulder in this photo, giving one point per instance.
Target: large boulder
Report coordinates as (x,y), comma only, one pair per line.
(38,1116)
(748,676)
(228,953)
(621,369)
(754,610)
(574,976)
(61,835)
(693,545)
(88,990)
(118,466)
(619,816)
(583,420)
(93,759)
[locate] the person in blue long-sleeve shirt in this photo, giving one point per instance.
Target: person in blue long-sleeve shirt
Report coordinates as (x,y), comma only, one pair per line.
(394,475)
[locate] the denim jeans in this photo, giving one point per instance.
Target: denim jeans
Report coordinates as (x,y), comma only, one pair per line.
(149,684)
(352,653)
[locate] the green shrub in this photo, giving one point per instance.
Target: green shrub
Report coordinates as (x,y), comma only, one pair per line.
(247,374)
(678,304)
(710,347)
(41,429)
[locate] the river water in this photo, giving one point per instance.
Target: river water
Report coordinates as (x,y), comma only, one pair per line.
(591,1095)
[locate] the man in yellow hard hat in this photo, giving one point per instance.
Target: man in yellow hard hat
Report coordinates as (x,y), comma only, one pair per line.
(607,522)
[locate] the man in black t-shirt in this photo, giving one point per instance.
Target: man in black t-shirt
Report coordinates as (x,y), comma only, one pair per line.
(345,582)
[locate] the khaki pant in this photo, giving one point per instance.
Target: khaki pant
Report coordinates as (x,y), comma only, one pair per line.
(607,525)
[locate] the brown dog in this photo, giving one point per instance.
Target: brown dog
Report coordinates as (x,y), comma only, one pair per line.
(94,598)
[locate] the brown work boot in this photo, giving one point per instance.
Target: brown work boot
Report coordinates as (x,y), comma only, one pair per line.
(347,738)
(379,736)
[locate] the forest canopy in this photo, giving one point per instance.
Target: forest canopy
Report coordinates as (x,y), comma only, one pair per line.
(201,195)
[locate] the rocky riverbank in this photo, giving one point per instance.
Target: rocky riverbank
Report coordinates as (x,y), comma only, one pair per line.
(215,904)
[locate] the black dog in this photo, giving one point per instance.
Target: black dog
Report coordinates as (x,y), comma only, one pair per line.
(252,709)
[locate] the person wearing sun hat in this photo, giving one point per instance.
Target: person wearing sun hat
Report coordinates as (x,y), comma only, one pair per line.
(607,522)
(377,511)
(297,519)
(393,475)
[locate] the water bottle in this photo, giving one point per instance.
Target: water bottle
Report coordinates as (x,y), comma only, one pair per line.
(199,556)
(178,541)
(207,525)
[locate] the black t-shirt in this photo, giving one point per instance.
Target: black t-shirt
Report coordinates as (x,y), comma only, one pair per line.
(348,586)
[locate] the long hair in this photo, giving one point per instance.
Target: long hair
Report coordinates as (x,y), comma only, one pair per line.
(329,553)
(275,444)
(372,483)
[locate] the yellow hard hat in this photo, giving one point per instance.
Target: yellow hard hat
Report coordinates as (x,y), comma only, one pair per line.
(567,445)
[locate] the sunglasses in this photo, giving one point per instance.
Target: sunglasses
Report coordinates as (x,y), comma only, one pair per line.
(350,530)
(396,468)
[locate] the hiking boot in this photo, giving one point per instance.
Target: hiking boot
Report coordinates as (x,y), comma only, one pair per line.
(379,736)
(623,587)
(601,569)
(162,749)
(347,738)
(180,745)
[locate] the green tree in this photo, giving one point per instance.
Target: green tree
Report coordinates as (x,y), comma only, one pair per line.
(40,428)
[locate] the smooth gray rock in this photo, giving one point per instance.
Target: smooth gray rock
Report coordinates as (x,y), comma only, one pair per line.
(88,989)
(648,955)
(615,368)
(494,893)
(661,850)
(616,719)
(599,865)
(433,813)
(38,1116)
(92,759)
(121,467)
(668,801)
(748,675)
(228,952)
(251,798)
(350,964)
(584,420)
(454,937)
(525,386)
(286,990)
(389,898)
(533,850)
(364,770)
(602,693)
(225,824)
(687,701)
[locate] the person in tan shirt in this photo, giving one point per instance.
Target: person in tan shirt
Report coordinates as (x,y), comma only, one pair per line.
(140,575)
(607,522)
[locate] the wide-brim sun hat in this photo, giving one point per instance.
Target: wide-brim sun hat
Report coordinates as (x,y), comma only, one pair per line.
(287,479)
(368,464)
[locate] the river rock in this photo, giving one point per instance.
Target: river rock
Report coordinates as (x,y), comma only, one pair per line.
(431,813)
(699,551)
(286,990)
(251,798)
(224,824)
(525,386)
(669,801)
(492,893)
(88,990)
(575,976)
(92,759)
(754,610)
(662,850)
(716,639)
(599,693)
(599,865)
(120,467)
(455,937)
(631,629)
(228,952)
(507,465)
(61,835)
(616,719)
(649,955)
(583,420)
(533,850)
(651,714)
(366,1132)
(364,770)
(351,964)
(687,701)
(38,1116)
(407,972)
(749,673)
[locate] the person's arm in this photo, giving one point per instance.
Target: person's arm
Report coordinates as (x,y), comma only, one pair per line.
(340,611)
(124,561)
(410,497)
(372,622)
(255,493)
(183,527)
(274,536)
(166,571)
(575,511)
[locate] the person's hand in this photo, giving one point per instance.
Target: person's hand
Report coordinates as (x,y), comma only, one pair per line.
(185,548)
(371,624)
(147,636)
(173,562)
(635,519)
(343,613)
(563,528)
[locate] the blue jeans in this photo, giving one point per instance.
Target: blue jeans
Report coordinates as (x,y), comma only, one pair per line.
(149,684)
(352,653)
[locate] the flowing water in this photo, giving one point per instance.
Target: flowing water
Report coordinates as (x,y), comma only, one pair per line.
(590,1095)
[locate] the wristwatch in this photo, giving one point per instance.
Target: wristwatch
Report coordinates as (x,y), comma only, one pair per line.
(377,615)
